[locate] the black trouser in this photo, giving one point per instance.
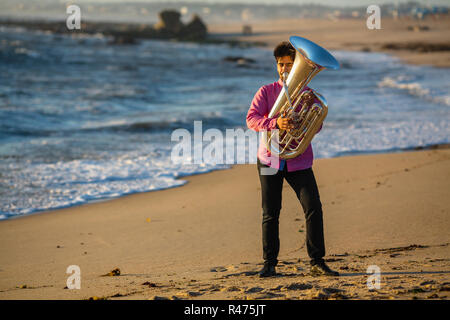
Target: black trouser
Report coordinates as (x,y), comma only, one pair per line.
(304,184)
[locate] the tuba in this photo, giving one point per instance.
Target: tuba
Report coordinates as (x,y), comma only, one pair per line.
(306,110)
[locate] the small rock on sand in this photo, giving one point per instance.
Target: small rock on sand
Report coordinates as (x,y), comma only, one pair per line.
(218,269)
(113,273)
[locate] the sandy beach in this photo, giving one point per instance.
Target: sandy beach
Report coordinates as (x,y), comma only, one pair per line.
(401,38)
(203,240)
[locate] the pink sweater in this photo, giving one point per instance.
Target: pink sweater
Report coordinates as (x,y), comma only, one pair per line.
(257,120)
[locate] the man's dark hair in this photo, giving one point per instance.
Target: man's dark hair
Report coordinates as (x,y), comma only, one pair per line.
(283,49)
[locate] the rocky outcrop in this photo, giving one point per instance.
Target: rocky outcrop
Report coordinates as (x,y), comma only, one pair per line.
(194,30)
(171,26)
(169,23)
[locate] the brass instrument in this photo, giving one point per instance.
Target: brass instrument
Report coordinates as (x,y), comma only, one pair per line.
(305,116)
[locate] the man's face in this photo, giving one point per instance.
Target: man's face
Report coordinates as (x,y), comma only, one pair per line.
(284,64)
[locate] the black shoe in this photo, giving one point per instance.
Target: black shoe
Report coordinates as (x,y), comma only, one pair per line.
(267,271)
(321,268)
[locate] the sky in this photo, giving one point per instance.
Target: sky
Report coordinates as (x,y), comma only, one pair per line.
(323,2)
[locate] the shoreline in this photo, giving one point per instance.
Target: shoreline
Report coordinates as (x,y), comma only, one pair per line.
(349,154)
(413,42)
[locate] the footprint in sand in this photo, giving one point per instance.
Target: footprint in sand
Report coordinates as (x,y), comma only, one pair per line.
(213,288)
(231,289)
(297,286)
(269,295)
(278,288)
(328,294)
(254,290)
(190,294)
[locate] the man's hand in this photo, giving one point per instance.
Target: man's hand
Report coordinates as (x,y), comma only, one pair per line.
(284,123)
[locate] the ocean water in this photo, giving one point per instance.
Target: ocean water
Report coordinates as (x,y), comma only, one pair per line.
(82,120)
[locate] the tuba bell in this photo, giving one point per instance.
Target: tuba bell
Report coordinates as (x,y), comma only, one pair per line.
(305,109)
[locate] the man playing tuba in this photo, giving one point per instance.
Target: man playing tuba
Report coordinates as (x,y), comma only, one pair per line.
(297,171)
